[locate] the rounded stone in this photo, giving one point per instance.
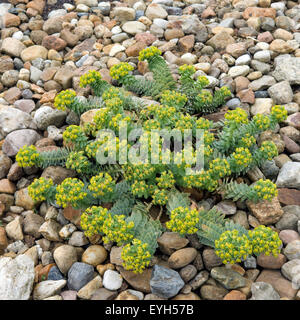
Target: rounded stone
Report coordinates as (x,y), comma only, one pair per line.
(94,255)
(65,256)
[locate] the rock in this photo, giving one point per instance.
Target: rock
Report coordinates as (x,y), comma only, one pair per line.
(288,236)
(134,27)
(79,275)
(263,291)
(65,256)
(7,186)
(16,278)
(112,280)
(78,239)
(58,175)
(281,46)
(12,47)
(220,41)
(279,283)
(3,239)
(287,69)
(48,288)
(289,175)
(292,250)
(164,282)
(209,292)
(88,290)
(64,77)
(263,83)
(227,207)
(270,262)
(267,212)
(236,49)
(17,139)
(55,43)
(230,279)
(211,259)
(12,119)
(291,270)
(50,230)
(104,294)
(25,105)
(124,14)
(126,295)
(34,52)
(140,281)
(32,224)
(14,229)
(281,92)
(69,295)
(5,165)
(94,255)
(199,280)
(170,241)
(188,272)
(262,105)
(235,295)
(182,257)
(259,12)
(294,120)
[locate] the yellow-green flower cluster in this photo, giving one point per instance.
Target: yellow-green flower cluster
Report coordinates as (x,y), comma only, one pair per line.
(120,70)
(265,240)
(203,81)
(187,70)
(148,53)
(202,180)
(136,256)
(74,135)
(102,118)
(92,220)
(64,99)
(115,105)
(27,156)
(78,161)
(140,188)
(208,137)
(138,171)
(173,98)
(225,91)
(237,116)
(247,141)
(160,196)
(241,158)
(111,93)
(116,229)
(92,148)
(261,121)
(205,97)
(203,123)
(166,180)
(184,122)
(279,113)
(70,191)
(233,247)
(39,189)
(265,189)
(269,150)
(219,168)
(89,78)
(151,124)
(102,185)
(183,221)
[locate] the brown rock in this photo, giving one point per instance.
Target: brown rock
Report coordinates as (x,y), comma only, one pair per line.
(48,97)
(280,284)
(259,12)
(186,43)
(73,215)
(270,262)
(7,186)
(140,281)
(288,236)
(267,212)
(11,20)
(13,94)
(7,200)
(211,259)
(22,199)
(208,13)
(246,96)
(280,46)
(182,257)
(126,295)
(209,292)
(235,295)
(133,51)
(52,42)
(58,174)
(220,41)
(171,241)
(37,5)
(236,49)
(146,37)
(265,37)
(70,38)
(189,296)
(3,239)
(104,294)
(241,83)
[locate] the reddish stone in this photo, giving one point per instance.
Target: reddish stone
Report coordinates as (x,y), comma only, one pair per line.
(265,37)
(186,43)
(11,20)
(52,42)
(241,83)
(72,215)
(271,262)
(13,94)
(290,145)
(208,13)
(235,295)
(143,67)
(246,96)
(236,49)
(37,5)
(133,51)
(7,186)
(289,196)
(148,38)
(43,272)
(259,12)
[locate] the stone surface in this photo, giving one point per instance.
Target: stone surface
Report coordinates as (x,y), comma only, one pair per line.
(79,275)
(228,278)
(182,257)
(263,291)
(48,288)
(289,175)
(65,256)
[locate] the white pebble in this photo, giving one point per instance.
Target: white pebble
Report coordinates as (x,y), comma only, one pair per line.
(112,280)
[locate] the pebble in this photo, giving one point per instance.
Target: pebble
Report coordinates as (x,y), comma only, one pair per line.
(263,291)
(182,257)
(112,280)
(94,255)
(79,275)
(292,250)
(65,256)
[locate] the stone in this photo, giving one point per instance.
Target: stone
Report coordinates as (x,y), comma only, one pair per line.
(271,262)
(164,282)
(16,278)
(210,259)
(182,257)
(58,175)
(12,47)
(65,256)
(287,69)
(79,275)
(227,207)
(48,288)
(288,236)
(112,280)
(34,52)
(230,279)
(259,12)
(220,41)
(3,239)
(289,175)
(55,43)
(294,120)
(279,283)
(263,291)
(170,241)
(32,224)
(124,14)
(263,83)
(267,212)
(262,105)
(64,77)
(134,27)
(7,186)
(209,292)
(291,270)
(88,290)
(5,165)
(199,280)
(69,295)
(55,274)
(14,229)
(94,255)
(281,92)
(235,295)
(292,250)
(281,46)
(238,71)
(78,239)
(49,229)
(17,139)
(155,10)
(104,294)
